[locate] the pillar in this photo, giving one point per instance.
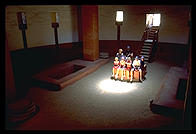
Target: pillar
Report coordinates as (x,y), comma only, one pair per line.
(90,34)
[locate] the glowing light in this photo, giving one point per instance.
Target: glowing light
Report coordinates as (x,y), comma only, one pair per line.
(112,86)
(157,19)
(153,19)
(54,17)
(119,16)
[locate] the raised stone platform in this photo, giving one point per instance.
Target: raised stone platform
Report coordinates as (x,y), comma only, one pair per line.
(166,102)
(61,75)
(19,111)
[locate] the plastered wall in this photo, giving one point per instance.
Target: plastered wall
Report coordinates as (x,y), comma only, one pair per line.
(39,30)
(173,29)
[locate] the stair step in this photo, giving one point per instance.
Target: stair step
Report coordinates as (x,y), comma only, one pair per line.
(156,28)
(144,53)
(151,33)
(148,41)
(151,37)
(152,30)
(145,59)
(146,56)
(147,44)
(146,50)
(147,47)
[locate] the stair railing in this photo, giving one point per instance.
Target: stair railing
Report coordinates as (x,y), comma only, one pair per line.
(154,45)
(144,37)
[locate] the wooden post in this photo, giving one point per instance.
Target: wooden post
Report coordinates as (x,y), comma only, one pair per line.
(56,36)
(118,32)
(24,38)
(55,25)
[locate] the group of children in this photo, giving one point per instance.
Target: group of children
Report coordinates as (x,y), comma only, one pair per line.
(124,66)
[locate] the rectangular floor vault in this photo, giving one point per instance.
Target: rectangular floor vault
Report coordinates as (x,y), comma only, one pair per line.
(61,75)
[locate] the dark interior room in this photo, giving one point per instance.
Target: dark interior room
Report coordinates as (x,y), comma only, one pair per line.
(98,67)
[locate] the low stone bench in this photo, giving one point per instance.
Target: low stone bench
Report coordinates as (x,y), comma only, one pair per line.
(166,102)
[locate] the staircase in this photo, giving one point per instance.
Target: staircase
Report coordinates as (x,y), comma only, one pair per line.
(150,40)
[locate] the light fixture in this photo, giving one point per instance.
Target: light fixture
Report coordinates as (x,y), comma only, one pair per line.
(22,24)
(153,19)
(157,20)
(119,16)
(119,22)
(55,17)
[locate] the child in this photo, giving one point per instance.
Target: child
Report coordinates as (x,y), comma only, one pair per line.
(143,67)
(116,66)
(122,67)
(120,54)
(128,67)
(136,66)
(129,53)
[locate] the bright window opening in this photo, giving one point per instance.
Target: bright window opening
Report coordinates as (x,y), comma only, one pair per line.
(153,19)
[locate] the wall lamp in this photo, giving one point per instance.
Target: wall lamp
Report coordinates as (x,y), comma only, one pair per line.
(55,25)
(22,24)
(119,22)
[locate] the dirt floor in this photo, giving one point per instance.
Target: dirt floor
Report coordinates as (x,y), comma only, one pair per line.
(97,102)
